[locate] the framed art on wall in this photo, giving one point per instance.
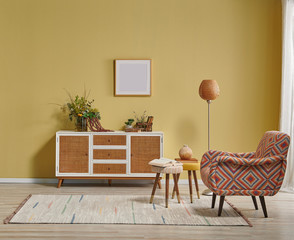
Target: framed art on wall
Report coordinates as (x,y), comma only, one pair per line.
(132,77)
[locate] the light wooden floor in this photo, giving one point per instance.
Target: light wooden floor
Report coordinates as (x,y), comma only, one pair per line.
(279,225)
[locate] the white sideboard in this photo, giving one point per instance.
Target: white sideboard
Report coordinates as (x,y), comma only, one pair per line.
(106,155)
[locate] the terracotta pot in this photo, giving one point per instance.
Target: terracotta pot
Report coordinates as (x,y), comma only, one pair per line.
(185,153)
(209,90)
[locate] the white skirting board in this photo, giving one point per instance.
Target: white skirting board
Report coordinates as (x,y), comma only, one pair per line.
(72,181)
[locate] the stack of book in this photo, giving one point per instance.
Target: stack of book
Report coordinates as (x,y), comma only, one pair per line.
(164,162)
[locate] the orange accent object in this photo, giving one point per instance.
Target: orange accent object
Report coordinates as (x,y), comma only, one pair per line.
(209,90)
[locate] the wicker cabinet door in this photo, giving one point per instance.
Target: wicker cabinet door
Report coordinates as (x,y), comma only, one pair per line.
(143,150)
(74,154)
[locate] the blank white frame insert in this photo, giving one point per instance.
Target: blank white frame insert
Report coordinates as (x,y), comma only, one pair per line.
(132,78)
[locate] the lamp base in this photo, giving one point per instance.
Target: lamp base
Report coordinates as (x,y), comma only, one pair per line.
(207,192)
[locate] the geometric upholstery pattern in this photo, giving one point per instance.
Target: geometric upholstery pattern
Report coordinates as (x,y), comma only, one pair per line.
(257,173)
(273,143)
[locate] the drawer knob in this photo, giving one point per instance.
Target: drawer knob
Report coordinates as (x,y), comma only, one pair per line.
(108,169)
(109,140)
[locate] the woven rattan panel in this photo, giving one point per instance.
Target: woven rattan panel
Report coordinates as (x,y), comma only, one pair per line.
(143,150)
(73,154)
(109,154)
(109,140)
(109,168)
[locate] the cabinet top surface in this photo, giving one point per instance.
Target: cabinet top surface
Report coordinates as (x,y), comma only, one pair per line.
(107,133)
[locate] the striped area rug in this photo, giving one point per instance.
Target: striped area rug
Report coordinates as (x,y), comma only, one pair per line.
(122,209)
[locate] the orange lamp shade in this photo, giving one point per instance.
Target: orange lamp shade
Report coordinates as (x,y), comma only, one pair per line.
(209,90)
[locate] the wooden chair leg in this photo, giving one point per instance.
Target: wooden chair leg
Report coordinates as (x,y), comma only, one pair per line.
(60,181)
(262,201)
(190,185)
(213,200)
(176,187)
(254,202)
(174,190)
(159,184)
(221,203)
(154,187)
(109,182)
(196,183)
(166,189)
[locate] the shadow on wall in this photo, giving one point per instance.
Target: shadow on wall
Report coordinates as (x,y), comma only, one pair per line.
(62,121)
(186,132)
(44,160)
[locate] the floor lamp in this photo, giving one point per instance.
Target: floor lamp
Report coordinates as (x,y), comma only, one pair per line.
(208,90)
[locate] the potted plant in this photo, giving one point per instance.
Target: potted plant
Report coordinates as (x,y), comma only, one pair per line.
(79,109)
(129,123)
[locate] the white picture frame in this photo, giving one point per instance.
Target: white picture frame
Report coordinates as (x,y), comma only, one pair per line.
(132,77)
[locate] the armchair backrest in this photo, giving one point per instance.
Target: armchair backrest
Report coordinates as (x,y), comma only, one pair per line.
(273,143)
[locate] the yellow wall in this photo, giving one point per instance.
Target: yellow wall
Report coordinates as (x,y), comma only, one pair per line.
(49,45)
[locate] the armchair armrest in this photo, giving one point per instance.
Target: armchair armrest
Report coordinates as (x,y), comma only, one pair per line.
(247,161)
(211,155)
(244,155)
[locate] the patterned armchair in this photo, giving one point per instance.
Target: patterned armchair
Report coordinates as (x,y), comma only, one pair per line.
(259,173)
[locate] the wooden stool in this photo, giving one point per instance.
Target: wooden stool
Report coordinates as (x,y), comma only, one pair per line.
(174,170)
(191,166)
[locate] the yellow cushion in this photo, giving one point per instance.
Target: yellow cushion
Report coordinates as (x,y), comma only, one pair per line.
(191,166)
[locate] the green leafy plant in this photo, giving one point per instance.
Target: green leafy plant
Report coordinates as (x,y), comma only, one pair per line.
(80,107)
(130,121)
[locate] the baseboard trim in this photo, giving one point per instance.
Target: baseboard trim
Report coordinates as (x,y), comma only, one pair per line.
(73,181)
(28,180)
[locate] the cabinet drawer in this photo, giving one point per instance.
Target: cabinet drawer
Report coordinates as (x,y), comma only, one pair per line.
(109,168)
(109,140)
(109,154)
